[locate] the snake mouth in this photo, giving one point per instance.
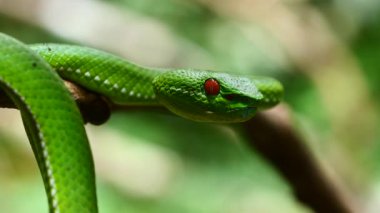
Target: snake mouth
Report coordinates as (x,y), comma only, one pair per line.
(249,112)
(244,112)
(242,108)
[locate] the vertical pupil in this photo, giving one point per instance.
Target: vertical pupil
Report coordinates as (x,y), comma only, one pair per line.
(212,86)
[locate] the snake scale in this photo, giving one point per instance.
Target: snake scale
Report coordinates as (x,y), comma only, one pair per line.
(31,75)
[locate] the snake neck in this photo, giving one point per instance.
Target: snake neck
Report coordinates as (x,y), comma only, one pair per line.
(119,81)
(123,85)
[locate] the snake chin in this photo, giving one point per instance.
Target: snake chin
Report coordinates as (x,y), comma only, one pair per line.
(243,113)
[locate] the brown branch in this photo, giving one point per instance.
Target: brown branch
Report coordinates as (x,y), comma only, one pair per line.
(269,133)
(272,135)
(94,109)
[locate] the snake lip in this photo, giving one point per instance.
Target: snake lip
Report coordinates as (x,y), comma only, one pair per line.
(247,108)
(250,109)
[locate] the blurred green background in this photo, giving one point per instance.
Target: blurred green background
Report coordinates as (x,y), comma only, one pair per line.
(326,53)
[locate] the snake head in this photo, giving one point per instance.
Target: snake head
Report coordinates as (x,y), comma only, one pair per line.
(208,96)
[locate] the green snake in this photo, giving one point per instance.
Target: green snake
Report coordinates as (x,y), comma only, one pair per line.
(31,75)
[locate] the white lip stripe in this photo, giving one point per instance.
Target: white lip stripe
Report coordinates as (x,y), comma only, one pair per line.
(45,156)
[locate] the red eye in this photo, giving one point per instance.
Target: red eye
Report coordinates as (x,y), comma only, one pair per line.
(212,86)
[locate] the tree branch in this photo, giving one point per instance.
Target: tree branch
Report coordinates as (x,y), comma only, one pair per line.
(270,133)
(94,108)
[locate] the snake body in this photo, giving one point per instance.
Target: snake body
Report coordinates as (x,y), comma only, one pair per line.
(54,127)
(28,75)
(182,91)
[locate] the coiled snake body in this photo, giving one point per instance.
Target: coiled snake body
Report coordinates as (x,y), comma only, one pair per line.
(53,122)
